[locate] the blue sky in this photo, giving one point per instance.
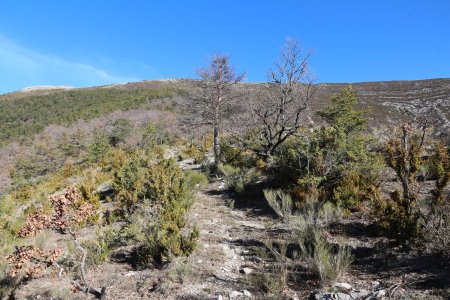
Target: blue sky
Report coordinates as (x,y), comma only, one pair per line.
(93,42)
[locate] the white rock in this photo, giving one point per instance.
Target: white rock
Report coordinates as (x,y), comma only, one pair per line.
(336,296)
(342,296)
(380,294)
(376,285)
(235,294)
(247,271)
(292,296)
(360,294)
(343,286)
(220,297)
(247,293)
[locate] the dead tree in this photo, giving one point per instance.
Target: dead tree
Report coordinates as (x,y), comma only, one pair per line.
(214,99)
(280,110)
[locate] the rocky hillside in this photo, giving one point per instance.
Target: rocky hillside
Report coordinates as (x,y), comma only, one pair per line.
(390,101)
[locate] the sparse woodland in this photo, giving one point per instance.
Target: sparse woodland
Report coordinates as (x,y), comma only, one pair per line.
(211,189)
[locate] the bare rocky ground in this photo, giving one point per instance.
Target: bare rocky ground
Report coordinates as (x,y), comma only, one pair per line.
(230,253)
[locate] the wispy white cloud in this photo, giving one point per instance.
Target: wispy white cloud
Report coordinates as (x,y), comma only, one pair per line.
(21,67)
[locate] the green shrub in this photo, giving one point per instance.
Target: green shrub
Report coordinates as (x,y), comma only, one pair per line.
(211,171)
(98,148)
(399,214)
(159,217)
(195,178)
(130,182)
(121,129)
(440,168)
(89,184)
(234,177)
(280,202)
(164,242)
(195,152)
(319,164)
(236,156)
(327,260)
(100,248)
(180,272)
(156,134)
(237,178)
(331,163)
(167,185)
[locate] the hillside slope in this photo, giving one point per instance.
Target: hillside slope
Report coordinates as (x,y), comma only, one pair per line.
(27,113)
(390,100)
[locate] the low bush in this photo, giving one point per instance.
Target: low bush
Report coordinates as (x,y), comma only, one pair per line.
(436,229)
(180,272)
(130,182)
(236,156)
(280,202)
(195,152)
(234,177)
(211,171)
(327,260)
(271,283)
(407,211)
(158,218)
(237,178)
(100,248)
(195,178)
(163,241)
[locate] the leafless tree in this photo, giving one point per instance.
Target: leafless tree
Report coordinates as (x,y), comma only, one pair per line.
(281,109)
(215,99)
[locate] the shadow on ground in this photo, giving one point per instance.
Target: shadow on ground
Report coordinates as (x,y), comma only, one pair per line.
(250,200)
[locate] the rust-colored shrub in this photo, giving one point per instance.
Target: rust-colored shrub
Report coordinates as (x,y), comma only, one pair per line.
(67,211)
(31,260)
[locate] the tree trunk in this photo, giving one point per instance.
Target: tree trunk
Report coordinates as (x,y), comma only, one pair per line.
(216,145)
(217,129)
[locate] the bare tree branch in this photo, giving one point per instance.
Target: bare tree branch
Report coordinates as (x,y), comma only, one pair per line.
(279,112)
(214,99)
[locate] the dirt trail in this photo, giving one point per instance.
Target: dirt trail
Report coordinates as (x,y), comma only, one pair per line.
(224,251)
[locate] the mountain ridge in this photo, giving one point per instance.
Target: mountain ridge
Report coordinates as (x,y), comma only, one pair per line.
(56,88)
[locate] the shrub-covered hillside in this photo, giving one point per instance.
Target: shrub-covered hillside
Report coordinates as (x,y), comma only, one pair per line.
(23,117)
